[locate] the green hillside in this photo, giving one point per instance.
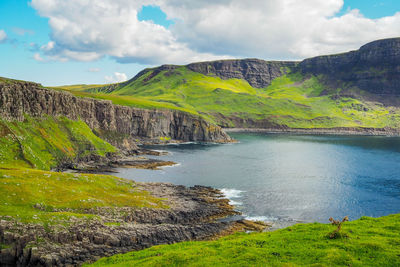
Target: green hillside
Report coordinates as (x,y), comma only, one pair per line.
(364,242)
(291,100)
(47,142)
(44,197)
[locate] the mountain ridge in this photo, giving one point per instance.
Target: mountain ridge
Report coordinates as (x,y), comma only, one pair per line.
(387,54)
(349,90)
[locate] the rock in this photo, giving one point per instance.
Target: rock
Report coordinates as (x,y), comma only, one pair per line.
(375,67)
(258,73)
(120,125)
(193,215)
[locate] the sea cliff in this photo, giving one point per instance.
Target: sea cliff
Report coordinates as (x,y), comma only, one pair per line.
(20,98)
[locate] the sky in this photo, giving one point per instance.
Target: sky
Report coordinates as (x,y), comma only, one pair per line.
(59,42)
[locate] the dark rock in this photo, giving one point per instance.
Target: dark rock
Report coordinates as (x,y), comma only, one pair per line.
(19,98)
(374,68)
(258,73)
(193,215)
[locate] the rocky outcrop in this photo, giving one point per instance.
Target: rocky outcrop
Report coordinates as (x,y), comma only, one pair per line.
(19,98)
(374,68)
(258,73)
(193,215)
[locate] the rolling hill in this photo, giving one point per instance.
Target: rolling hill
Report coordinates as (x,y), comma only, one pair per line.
(358,89)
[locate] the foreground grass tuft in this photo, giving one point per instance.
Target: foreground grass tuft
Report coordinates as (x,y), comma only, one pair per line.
(368,242)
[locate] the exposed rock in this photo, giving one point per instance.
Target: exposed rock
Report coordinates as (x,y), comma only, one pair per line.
(375,67)
(193,215)
(19,98)
(109,164)
(258,73)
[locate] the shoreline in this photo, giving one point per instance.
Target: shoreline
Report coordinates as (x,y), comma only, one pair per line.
(191,213)
(320,131)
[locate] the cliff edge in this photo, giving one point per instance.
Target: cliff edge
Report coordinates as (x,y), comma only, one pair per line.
(374,68)
(18,98)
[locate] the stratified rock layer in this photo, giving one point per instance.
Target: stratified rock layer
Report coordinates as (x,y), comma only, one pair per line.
(258,73)
(19,98)
(192,215)
(375,67)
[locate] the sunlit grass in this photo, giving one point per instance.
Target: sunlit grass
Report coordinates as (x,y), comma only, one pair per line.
(291,100)
(36,196)
(364,242)
(43,143)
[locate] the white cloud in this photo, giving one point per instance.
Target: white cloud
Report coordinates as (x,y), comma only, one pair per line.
(89,30)
(47,47)
(22,31)
(205,30)
(38,57)
(116,78)
(93,69)
(275,29)
(3,36)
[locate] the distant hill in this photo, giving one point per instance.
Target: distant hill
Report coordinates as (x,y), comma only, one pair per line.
(358,89)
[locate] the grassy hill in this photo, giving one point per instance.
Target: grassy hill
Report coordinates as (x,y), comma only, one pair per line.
(292,100)
(44,197)
(44,143)
(364,242)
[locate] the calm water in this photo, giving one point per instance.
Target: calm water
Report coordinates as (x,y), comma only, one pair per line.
(286,179)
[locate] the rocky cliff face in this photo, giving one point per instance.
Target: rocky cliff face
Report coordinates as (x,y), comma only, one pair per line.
(19,98)
(375,67)
(193,215)
(258,73)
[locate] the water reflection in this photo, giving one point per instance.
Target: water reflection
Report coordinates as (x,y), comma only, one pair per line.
(289,178)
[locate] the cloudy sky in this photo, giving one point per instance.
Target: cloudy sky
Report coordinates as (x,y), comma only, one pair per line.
(57,42)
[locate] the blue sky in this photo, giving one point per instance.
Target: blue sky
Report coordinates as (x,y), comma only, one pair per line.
(24,57)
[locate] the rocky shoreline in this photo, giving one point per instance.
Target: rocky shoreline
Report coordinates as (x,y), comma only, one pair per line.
(109,165)
(320,131)
(192,214)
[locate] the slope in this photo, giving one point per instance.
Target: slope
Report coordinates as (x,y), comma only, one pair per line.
(293,100)
(364,242)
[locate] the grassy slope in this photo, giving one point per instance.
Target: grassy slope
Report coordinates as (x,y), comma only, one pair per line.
(31,193)
(43,143)
(22,191)
(365,242)
(290,100)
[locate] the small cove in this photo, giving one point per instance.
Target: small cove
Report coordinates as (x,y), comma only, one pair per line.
(287,179)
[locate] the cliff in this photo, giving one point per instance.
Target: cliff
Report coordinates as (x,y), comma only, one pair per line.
(131,216)
(374,68)
(258,73)
(19,98)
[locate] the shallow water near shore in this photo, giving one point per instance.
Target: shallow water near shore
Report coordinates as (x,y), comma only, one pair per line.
(285,179)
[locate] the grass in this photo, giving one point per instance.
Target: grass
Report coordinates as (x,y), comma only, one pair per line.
(43,143)
(369,242)
(291,100)
(46,197)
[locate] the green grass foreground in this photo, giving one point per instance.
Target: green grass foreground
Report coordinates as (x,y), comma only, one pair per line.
(364,242)
(44,197)
(292,100)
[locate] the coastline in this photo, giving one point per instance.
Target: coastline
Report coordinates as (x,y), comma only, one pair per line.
(191,213)
(320,131)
